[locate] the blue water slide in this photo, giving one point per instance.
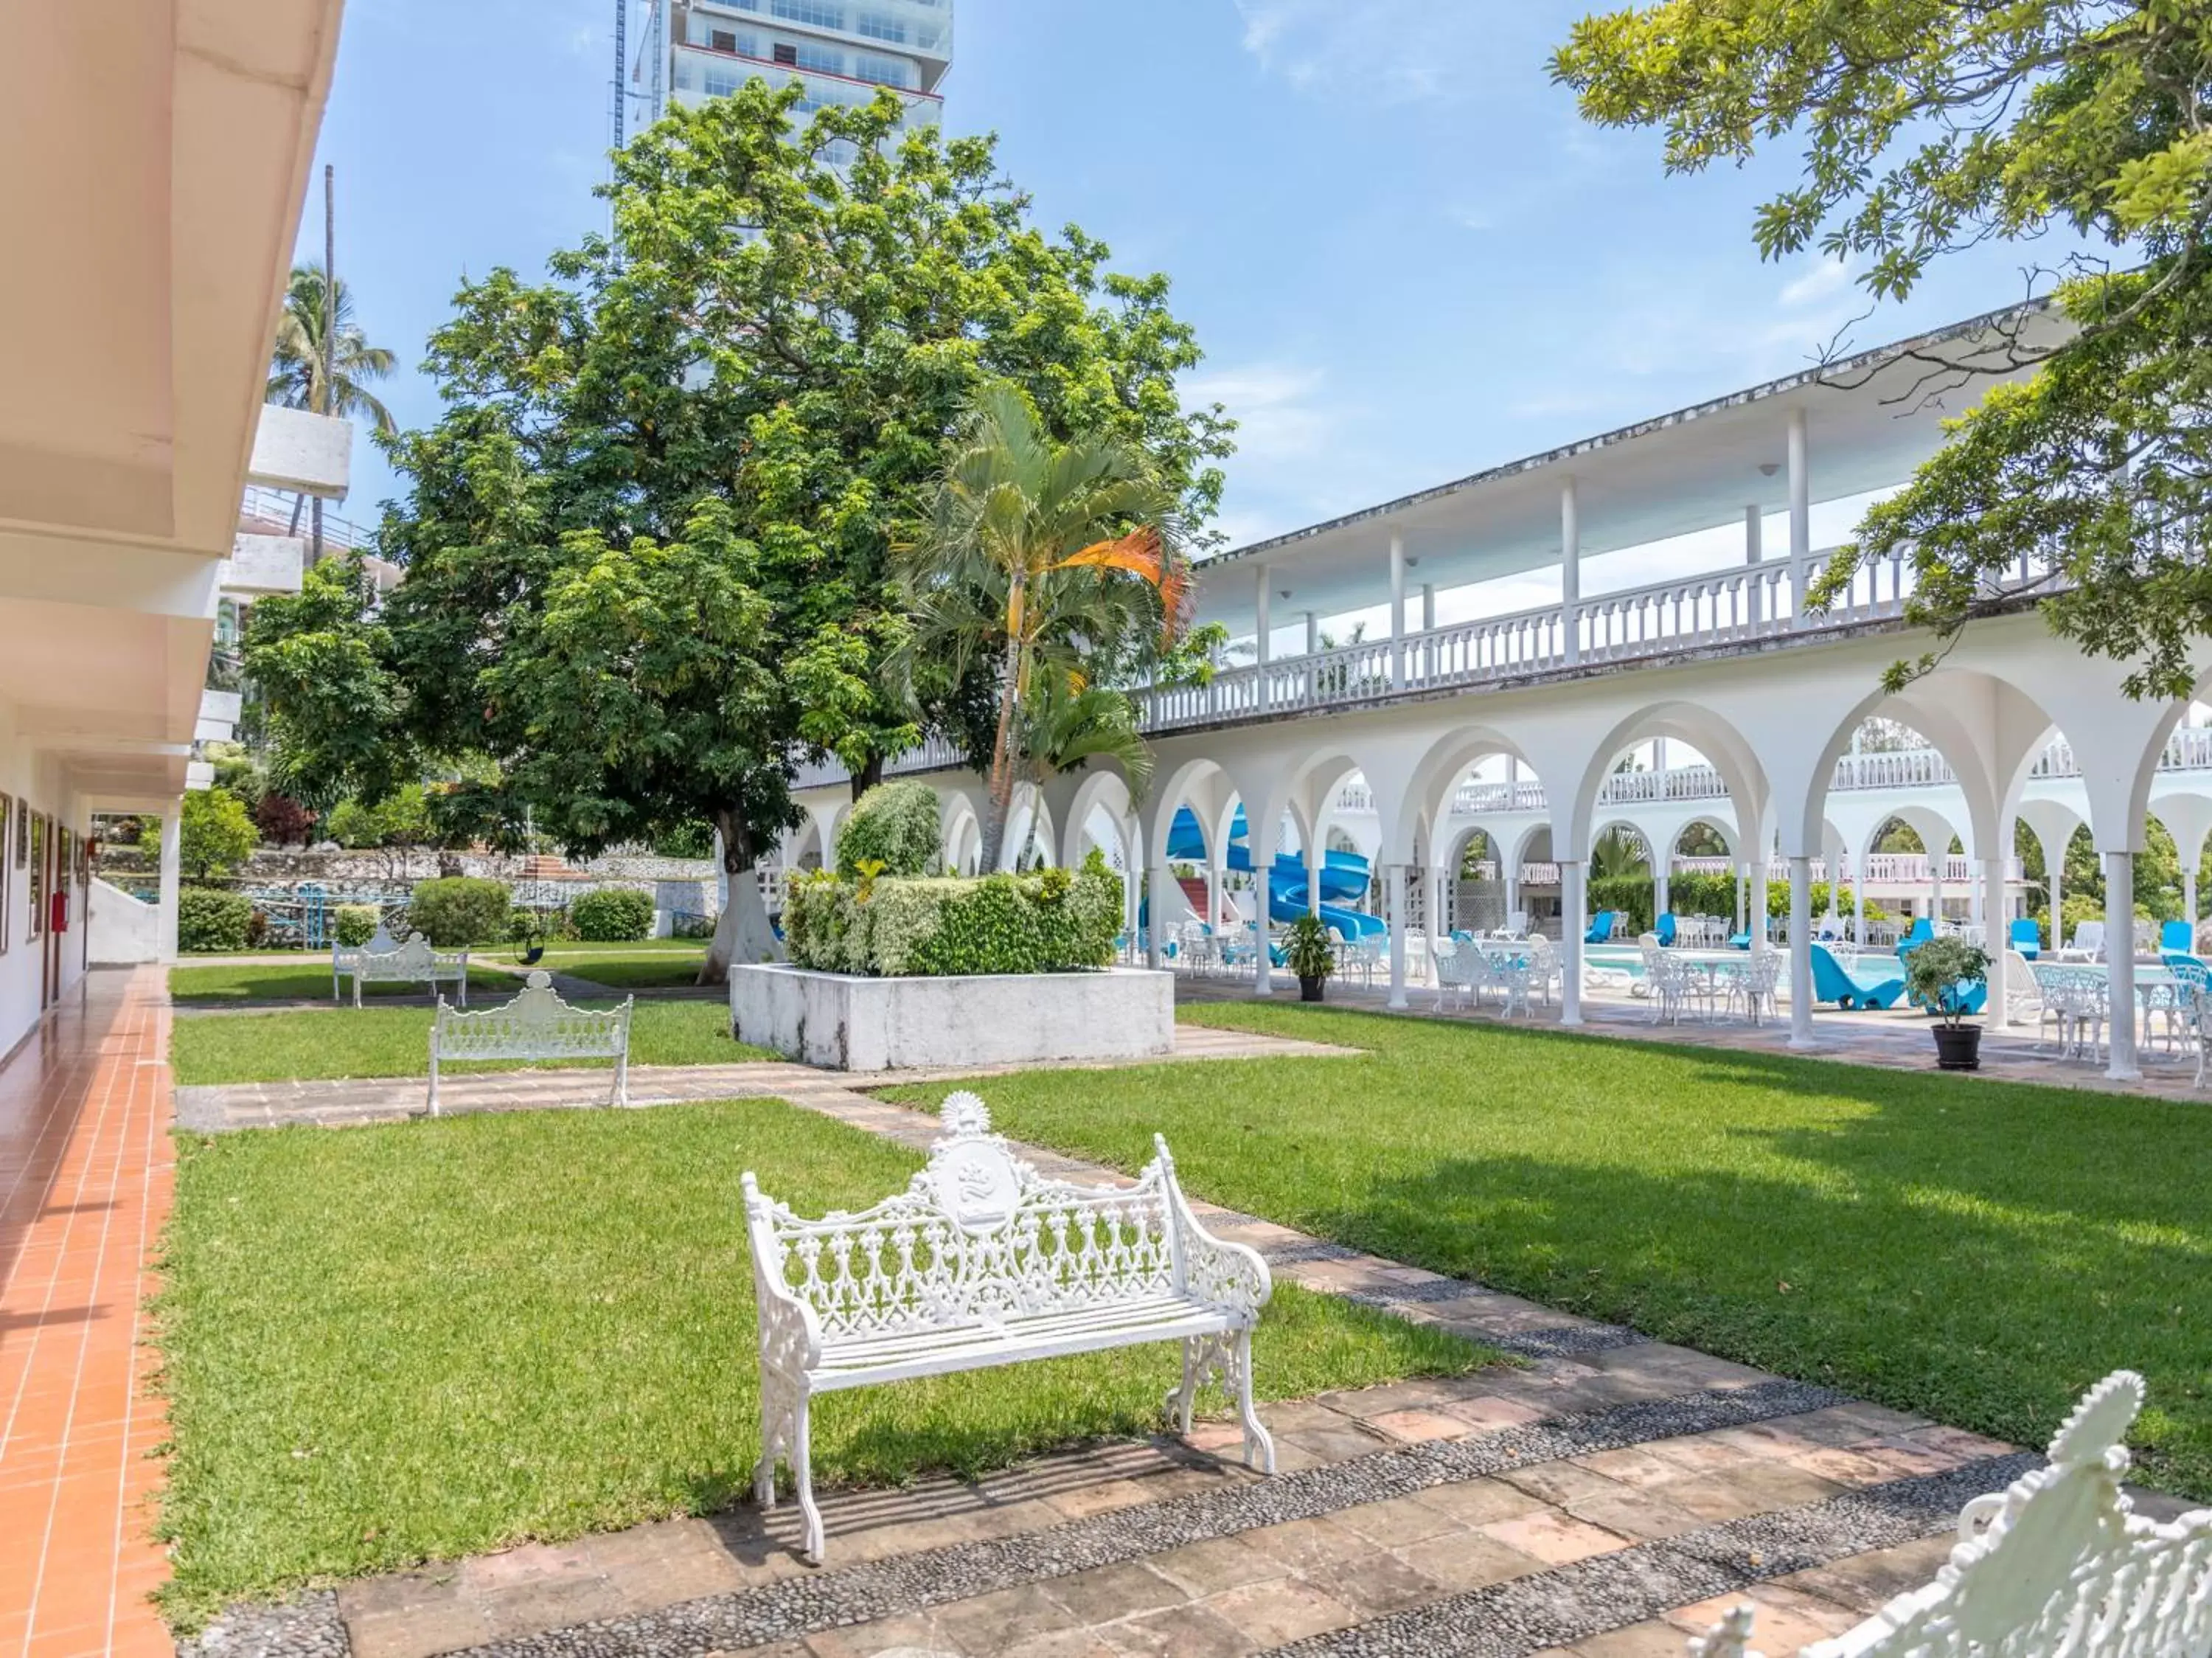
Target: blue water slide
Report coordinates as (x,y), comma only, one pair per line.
(1343,876)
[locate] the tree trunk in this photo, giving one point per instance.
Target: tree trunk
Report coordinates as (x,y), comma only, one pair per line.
(743,932)
(868,776)
(998,799)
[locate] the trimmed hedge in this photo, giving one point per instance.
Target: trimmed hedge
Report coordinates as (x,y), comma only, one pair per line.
(211,920)
(356,924)
(1705,895)
(1047,922)
(894,823)
(613,915)
(459,911)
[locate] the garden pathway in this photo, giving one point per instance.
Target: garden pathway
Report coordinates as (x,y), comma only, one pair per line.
(85,1182)
(1604,1501)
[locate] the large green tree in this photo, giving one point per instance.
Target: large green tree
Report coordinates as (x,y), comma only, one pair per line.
(1928,127)
(648,545)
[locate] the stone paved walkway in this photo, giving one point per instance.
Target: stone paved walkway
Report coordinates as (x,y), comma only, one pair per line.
(1607,1500)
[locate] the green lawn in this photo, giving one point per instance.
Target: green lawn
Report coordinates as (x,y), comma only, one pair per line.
(1975,1250)
(626,966)
(233,981)
(319,1043)
(388,1344)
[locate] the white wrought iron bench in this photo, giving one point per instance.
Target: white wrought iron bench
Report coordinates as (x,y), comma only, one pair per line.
(983,1261)
(2057,1565)
(535,1025)
(384,962)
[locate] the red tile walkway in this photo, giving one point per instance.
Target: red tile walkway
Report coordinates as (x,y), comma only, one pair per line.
(85,1183)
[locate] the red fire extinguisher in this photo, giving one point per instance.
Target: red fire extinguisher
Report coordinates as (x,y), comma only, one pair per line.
(61,912)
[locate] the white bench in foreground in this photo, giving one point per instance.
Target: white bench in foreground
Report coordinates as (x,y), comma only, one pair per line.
(382,962)
(536,1025)
(2057,1565)
(983,1261)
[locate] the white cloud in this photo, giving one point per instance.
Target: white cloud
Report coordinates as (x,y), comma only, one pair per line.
(1391,51)
(1822,281)
(1279,420)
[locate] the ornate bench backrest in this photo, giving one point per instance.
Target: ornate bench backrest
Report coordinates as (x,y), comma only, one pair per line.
(535,1024)
(978,1237)
(2057,1565)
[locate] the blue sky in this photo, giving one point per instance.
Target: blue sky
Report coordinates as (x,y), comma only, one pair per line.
(1405,256)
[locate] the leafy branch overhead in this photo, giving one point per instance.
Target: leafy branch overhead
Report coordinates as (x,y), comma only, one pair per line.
(1929,127)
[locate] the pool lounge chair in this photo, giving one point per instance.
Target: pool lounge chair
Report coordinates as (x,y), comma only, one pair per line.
(2027,938)
(1600,930)
(1665,931)
(1831,983)
(1921,931)
(2178,938)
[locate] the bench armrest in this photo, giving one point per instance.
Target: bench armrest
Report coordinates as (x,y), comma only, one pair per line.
(790,1332)
(1231,1276)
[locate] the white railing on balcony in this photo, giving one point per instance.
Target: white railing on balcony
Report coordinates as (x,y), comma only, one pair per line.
(1687,614)
(1882,868)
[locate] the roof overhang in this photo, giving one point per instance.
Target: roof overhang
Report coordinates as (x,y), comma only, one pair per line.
(1870,419)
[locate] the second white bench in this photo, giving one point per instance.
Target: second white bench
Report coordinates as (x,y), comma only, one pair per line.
(535,1025)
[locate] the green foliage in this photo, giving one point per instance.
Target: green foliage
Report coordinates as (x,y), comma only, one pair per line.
(895,824)
(685,840)
(648,541)
(216,835)
(612,915)
(460,909)
(1629,894)
(1934,971)
(1307,951)
(211,920)
(400,819)
(1930,127)
(1048,922)
(357,924)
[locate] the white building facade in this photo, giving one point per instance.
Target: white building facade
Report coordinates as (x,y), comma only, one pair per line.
(841,51)
(159,171)
(1730,703)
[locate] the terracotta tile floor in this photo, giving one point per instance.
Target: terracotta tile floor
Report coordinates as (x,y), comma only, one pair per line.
(85,1182)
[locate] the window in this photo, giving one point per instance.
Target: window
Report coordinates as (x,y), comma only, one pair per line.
(787,54)
(825,60)
(720,81)
(884,71)
(722,40)
(876,26)
(818,13)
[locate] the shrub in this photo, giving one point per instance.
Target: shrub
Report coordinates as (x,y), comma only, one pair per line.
(894,823)
(613,915)
(215,834)
(357,924)
(683,926)
(1048,922)
(460,909)
(211,920)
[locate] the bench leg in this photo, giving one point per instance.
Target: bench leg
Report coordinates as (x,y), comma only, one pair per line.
(802,1476)
(356,990)
(1193,1372)
(433,1076)
(1256,1437)
(621,1078)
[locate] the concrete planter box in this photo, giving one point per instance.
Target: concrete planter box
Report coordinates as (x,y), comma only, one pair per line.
(843,1022)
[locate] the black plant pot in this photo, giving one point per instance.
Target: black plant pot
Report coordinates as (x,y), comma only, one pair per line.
(1309,988)
(1958,1047)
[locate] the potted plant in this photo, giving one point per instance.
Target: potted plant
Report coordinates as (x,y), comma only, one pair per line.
(1308,953)
(1940,974)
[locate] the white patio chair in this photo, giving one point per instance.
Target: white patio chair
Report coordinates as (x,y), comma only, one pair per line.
(1751,987)
(1648,944)
(2090,940)
(1455,966)
(1517,923)
(2024,994)
(1543,967)
(1674,988)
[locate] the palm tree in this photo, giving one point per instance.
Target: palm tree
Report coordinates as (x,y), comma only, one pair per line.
(1617,853)
(1043,554)
(296,364)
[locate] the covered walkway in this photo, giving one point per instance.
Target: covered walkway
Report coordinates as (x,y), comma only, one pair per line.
(85,1183)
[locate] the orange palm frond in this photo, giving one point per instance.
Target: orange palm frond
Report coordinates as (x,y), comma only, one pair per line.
(1142,552)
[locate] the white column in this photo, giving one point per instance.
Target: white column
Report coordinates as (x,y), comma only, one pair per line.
(1511,875)
(1800,953)
(2188,903)
(2056,869)
(1428,625)
(1998,942)
(1161,882)
(2120,962)
(1433,903)
(1313,632)
(1754,553)
(1393,914)
(1217,901)
(1262,640)
(1397,612)
(173,843)
(1935,862)
(1263,965)
(1858,861)
(1316,860)
(1570,570)
(1573,923)
(1981,903)
(1800,514)
(1742,893)
(1662,899)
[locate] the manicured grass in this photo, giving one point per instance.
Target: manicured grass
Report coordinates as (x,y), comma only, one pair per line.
(625,967)
(234,981)
(387,1344)
(319,1043)
(1975,1250)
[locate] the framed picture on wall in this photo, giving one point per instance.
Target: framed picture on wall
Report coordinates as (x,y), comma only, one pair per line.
(10,811)
(23,835)
(37,915)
